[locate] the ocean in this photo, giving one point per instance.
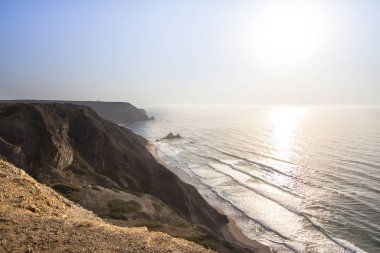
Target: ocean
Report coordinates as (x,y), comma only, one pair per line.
(298,179)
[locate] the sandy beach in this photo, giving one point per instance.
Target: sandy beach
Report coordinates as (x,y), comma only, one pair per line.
(231,232)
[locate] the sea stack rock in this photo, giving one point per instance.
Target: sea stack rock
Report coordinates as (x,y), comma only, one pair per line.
(172,136)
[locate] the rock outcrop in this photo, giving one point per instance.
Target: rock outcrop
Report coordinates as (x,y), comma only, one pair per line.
(171,136)
(34,218)
(117,112)
(70,148)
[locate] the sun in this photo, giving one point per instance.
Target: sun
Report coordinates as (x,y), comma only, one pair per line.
(289,33)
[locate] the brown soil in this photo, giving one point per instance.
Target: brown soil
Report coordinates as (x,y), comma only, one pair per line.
(34,218)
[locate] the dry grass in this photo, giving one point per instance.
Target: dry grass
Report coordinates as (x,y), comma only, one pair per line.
(34,218)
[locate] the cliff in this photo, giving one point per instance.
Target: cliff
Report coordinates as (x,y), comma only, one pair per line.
(34,218)
(105,168)
(117,112)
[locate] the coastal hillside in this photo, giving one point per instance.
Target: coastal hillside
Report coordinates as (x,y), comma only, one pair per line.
(34,218)
(69,147)
(106,169)
(117,112)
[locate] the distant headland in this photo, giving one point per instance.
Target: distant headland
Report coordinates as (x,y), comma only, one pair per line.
(117,112)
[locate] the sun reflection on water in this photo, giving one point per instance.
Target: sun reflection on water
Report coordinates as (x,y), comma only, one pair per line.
(284,125)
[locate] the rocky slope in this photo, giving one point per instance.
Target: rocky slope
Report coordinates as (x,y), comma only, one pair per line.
(105,168)
(34,218)
(117,112)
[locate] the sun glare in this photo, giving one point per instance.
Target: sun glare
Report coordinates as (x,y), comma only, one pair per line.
(284,124)
(289,33)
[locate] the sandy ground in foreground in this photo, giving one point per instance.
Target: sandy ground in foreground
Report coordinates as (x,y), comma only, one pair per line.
(34,218)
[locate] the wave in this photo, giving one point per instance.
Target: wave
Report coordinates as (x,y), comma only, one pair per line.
(301,214)
(259,222)
(265,167)
(261,180)
(262,155)
(303,181)
(251,175)
(269,228)
(252,162)
(328,235)
(243,214)
(363,163)
(369,167)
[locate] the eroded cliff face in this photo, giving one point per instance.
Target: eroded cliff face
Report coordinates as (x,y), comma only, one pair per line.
(33,138)
(70,147)
(34,218)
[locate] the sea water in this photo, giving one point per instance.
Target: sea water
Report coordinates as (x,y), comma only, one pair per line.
(299,179)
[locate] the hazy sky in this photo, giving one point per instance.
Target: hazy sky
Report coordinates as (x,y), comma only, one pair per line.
(192,52)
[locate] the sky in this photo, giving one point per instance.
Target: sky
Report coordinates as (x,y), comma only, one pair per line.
(212,52)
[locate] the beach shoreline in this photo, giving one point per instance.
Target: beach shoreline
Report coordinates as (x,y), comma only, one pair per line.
(230,232)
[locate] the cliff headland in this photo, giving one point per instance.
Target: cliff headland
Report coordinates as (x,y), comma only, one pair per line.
(106,169)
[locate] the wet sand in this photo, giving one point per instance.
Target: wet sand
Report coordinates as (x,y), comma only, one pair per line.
(230,232)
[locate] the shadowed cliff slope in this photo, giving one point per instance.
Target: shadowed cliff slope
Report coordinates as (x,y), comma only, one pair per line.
(33,218)
(117,112)
(69,147)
